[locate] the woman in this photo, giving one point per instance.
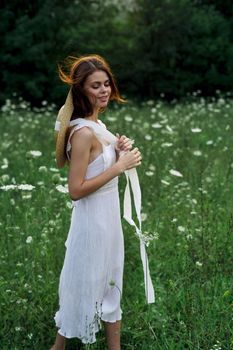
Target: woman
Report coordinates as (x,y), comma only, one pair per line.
(90,285)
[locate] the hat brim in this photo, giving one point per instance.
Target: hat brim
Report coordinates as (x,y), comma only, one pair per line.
(64,116)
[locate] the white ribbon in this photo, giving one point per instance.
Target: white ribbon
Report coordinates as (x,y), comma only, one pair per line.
(131,178)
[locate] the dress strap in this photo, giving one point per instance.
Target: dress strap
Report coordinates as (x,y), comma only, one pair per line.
(78,124)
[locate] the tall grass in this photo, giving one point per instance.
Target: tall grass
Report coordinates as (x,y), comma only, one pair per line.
(186,179)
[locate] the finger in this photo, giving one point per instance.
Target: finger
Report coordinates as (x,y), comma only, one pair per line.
(129,147)
(128,141)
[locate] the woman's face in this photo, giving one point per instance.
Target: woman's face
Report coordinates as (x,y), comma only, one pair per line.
(98,89)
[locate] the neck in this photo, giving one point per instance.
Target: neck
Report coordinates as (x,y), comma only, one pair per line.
(94,115)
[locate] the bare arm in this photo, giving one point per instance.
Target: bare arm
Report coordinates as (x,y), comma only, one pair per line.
(79,187)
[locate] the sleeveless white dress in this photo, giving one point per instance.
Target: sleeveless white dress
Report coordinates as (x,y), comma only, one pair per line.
(90,286)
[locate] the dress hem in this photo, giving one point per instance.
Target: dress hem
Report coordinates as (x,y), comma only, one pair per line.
(96,331)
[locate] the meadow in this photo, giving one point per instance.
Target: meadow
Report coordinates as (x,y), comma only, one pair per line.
(186,179)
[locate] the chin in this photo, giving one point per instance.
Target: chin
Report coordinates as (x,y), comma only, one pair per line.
(104,104)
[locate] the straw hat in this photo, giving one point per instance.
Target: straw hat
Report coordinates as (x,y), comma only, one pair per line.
(61,128)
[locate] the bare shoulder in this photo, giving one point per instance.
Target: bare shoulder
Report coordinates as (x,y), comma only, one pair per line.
(82,136)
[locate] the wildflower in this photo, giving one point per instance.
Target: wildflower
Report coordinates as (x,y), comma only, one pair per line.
(195,130)
(4,166)
(169,128)
(128,118)
(197,153)
(165,182)
(27,196)
(69,205)
(209,142)
(5,177)
(5,163)
(35,154)
(63,179)
(25,187)
(174,220)
(17,329)
(148,237)
(148,137)
(111,119)
(62,189)
(166,144)
(149,173)
(43,169)
(198,263)
(8,187)
(143,216)
(54,170)
(29,239)
(152,167)
(175,173)
(156,126)
(181,228)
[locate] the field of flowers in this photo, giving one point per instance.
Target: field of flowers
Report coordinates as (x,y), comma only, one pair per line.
(186,179)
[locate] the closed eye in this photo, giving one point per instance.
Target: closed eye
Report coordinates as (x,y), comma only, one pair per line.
(97,84)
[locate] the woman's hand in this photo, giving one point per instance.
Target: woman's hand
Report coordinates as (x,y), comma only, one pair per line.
(129,160)
(123,144)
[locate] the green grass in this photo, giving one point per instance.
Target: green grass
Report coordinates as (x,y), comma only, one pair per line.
(191,261)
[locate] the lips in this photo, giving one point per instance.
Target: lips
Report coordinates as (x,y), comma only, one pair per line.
(104,98)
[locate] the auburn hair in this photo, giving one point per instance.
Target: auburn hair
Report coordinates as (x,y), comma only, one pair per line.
(79,68)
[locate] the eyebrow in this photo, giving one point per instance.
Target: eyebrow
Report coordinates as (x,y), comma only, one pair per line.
(93,82)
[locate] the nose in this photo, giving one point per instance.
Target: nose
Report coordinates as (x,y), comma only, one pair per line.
(104,88)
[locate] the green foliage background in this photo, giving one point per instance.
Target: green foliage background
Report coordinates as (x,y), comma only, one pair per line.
(190,262)
(153,46)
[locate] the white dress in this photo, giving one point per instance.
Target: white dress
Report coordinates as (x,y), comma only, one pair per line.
(90,286)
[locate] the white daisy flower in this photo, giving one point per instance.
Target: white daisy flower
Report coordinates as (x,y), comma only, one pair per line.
(128,118)
(166,144)
(156,126)
(175,173)
(62,189)
(152,167)
(209,142)
(149,173)
(54,170)
(29,239)
(8,187)
(169,128)
(35,153)
(196,130)
(165,182)
(143,216)
(25,187)
(148,137)
(197,153)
